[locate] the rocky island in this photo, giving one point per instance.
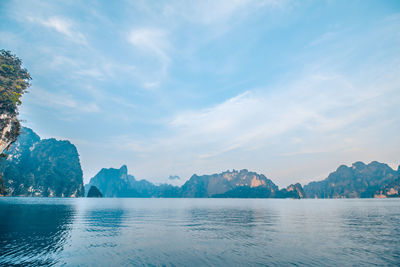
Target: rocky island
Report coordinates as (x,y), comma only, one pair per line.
(42,167)
(94,192)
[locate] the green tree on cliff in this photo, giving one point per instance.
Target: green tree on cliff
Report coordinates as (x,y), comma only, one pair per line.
(14,81)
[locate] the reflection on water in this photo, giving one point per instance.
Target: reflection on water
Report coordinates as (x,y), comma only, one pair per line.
(33,234)
(372,231)
(198,232)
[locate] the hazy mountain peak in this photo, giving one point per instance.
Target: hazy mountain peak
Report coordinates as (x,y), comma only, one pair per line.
(123,169)
(358,165)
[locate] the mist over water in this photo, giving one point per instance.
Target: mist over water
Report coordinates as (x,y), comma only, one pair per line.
(193,232)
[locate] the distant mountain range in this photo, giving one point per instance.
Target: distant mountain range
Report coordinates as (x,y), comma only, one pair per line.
(357,181)
(51,168)
(230,184)
(118,183)
(42,168)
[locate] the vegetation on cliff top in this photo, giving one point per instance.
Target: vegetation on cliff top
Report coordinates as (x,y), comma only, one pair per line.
(14,81)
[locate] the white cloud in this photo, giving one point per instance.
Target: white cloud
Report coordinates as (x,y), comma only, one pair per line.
(321,114)
(60,101)
(150,85)
(215,11)
(151,40)
(310,116)
(153,43)
(64,26)
(251,118)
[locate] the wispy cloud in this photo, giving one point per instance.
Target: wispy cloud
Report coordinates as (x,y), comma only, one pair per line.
(172,84)
(61,101)
(62,25)
(154,43)
(150,40)
(210,12)
(309,116)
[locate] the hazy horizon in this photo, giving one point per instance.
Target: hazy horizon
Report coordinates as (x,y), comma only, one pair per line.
(287,89)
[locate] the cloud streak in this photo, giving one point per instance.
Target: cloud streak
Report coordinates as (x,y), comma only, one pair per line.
(61,25)
(317,114)
(150,40)
(154,43)
(289,89)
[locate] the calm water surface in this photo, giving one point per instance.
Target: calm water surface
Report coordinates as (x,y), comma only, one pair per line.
(199,232)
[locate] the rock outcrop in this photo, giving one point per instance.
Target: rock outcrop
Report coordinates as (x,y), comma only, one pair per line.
(118,183)
(359,180)
(229,184)
(94,192)
(9,129)
(292,191)
(391,189)
(45,168)
(14,81)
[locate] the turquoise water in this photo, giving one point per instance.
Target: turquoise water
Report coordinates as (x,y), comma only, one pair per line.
(199,232)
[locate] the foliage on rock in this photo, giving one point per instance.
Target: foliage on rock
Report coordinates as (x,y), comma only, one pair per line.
(14,81)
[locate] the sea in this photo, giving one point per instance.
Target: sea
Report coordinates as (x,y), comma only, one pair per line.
(199,232)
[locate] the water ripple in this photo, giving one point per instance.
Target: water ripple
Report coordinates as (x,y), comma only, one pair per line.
(199,232)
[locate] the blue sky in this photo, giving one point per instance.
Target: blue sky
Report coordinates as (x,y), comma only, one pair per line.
(291,89)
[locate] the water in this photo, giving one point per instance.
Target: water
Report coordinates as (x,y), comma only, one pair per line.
(199,232)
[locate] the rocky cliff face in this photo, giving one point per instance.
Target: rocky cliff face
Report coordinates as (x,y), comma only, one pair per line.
(9,129)
(229,184)
(118,183)
(14,81)
(112,182)
(46,168)
(94,192)
(391,189)
(292,191)
(358,180)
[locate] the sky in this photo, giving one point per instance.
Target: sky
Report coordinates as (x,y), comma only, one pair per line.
(289,89)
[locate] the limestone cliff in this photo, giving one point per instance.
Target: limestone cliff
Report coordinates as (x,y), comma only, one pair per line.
(42,167)
(94,192)
(118,183)
(237,184)
(359,180)
(9,129)
(14,81)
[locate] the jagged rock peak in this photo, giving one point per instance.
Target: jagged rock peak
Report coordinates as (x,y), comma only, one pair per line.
(358,165)
(123,169)
(297,190)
